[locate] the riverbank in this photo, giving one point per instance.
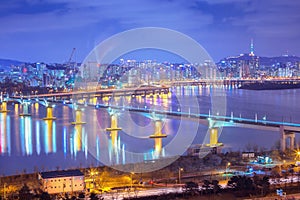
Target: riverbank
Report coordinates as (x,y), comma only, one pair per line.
(213,167)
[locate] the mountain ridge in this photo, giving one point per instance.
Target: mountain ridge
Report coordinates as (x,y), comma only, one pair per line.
(8,62)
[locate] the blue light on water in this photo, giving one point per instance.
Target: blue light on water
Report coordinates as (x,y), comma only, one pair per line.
(65,141)
(82,137)
(123,154)
(72,146)
(8,135)
(2,134)
(28,136)
(163,152)
(110,149)
(97,148)
(46,145)
(22,135)
(86,146)
(75,144)
(37,137)
(46,138)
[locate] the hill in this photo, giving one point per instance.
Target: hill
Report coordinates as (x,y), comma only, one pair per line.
(4,63)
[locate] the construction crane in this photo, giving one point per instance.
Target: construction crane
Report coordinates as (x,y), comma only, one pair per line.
(69,67)
(70,70)
(71,56)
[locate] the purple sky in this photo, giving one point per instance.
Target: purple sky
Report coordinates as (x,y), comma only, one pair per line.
(47,30)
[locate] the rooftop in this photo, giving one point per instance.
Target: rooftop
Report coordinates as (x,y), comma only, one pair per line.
(65,173)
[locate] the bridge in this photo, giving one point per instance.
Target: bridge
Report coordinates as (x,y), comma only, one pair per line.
(99,93)
(287,130)
(213,122)
(237,82)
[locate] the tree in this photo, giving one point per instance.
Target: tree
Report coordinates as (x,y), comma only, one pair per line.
(216,186)
(45,196)
(241,183)
(265,185)
(206,185)
(24,193)
(191,186)
(93,196)
(81,195)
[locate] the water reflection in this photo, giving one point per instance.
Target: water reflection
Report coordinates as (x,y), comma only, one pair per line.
(49,136)
(5,144)
(32,136)
(78,141)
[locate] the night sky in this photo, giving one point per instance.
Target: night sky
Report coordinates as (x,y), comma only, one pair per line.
(48,30)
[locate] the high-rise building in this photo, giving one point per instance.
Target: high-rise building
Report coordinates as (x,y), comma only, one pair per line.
(251,48)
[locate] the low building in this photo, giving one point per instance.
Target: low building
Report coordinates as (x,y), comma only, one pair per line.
(200,150)
(248,155)
(62,181)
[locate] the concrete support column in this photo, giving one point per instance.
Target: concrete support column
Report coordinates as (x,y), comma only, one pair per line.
(284,135)
(114,130)
(25,109)
(49,115)
(4,107)
(282,139)
(157,136)
(292,140)
(213,137)
(16,108)
(78,117)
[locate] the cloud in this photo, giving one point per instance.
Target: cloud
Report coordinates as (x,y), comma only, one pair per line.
(133,13)
(221,25)
(271,18)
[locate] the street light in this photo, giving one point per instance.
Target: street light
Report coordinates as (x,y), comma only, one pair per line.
(4,191)
(228,165)
(297,154)
(226,169)
(180,169)
(131,174)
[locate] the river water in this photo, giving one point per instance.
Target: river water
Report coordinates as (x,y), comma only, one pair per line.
(29,143)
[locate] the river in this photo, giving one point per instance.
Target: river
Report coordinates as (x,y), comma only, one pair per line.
(29,143)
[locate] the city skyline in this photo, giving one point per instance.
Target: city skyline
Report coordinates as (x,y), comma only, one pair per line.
(47,31)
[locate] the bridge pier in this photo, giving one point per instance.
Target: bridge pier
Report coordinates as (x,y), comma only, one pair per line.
(49,115)
(157,136)
(25,109)
(4,107)
(284,135)
(16,108)
(78,117)
(113,129)
(213,137)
